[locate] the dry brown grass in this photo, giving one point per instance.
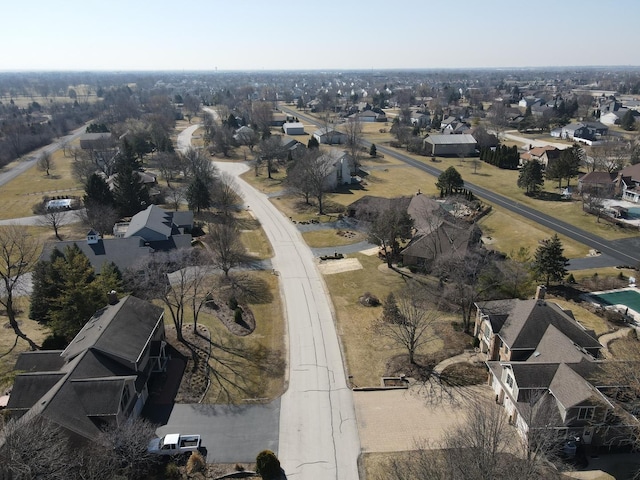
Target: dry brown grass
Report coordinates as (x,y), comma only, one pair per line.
(586,318)
(332,238)
(368,355)
(20,195)
(9,353)
(241,351)
(509,233)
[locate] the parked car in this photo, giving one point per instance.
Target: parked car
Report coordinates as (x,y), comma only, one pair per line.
(174,444)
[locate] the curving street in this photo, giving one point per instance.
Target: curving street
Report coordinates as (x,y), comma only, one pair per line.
(318,431)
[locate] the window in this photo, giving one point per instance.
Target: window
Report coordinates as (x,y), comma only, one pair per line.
(124,401)
(509,381)
(487,332)
(586,413)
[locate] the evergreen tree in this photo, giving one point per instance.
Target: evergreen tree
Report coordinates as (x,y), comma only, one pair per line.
(531,177)
(313,143)
(198,195)
(130,194)
(628,121)
(373,151)
(549,263)
(97,191)
(78,297)
(390,311)
(449,180)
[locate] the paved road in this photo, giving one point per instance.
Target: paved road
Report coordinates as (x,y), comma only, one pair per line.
(318,428)
(509,135)
(66,218)
(230,433)
(29,161)
(626,252)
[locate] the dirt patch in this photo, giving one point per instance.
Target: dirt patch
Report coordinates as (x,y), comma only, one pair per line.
(339,266)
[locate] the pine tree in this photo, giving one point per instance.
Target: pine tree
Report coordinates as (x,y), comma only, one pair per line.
(130,194)
(531,177)
(97,191)
(549,262)
(449,181)
(373,151)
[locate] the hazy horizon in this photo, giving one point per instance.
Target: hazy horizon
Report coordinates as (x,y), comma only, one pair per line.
(253,35)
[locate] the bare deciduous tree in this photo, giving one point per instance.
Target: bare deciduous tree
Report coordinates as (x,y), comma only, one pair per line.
(33,448)
(414,326)
(18,255)
(45,163)
(54,218)
(353,129)
(175,277)
(226,249)
(225,197)
(100,217)
(175,196)
(262,115)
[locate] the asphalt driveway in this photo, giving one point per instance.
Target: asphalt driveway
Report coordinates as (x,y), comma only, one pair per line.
(230,433)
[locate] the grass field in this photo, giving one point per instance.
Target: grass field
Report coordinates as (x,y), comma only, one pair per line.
(21,194)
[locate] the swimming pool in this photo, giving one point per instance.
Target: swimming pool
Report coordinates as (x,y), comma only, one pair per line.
(630,298)
(633,213)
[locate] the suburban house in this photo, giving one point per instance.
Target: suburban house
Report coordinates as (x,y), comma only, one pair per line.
(530,101)
(96,141)
(511,330)
(440,230)
(600,184)
(153,229)
(291,145)
(101,378)
(442,144)
(278,119)
(369,116)
(342,167)
(584,131)
(419,119)
(293,128)
(539,154)
(630,177)
(543,369)
(329,136)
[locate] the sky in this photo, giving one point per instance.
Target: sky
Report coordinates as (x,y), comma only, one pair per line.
(316,35)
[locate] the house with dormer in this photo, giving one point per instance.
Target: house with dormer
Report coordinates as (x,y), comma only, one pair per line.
(101,378)
(544,369)
(153,229)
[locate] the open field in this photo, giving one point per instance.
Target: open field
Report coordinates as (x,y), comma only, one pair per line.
(332,238)
(507,233)
(368,355)
(19,196)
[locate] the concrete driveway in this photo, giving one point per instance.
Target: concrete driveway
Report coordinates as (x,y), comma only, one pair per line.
(230,433)
(393,420)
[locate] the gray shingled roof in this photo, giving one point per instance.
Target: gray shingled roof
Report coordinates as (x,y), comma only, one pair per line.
(554,346)
(528,320)
(121,330)
(39,361)
(442,139)
(28,388)
(569,388)
(154,218)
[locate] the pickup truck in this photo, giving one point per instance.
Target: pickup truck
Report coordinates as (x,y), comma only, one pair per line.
(174,444)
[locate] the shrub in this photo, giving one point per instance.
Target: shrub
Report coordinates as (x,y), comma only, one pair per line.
(369,300)
(196,463)
(571,279)
(171,471)
(233,303)
(268,465)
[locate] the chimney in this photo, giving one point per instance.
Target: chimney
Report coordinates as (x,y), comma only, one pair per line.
(113,297)
(540,291)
